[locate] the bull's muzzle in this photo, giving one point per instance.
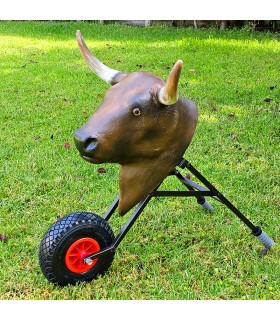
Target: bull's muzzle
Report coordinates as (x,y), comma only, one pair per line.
(85,144)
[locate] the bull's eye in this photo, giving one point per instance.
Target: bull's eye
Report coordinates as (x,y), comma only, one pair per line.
(136,111)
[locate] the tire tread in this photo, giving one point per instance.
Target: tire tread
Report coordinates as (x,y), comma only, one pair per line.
(58,230)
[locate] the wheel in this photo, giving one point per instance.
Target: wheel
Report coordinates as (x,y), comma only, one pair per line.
(70,239)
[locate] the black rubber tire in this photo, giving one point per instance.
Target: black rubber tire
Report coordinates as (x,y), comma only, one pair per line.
(59,238)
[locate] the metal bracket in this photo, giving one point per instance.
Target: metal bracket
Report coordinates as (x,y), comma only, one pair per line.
(194,190)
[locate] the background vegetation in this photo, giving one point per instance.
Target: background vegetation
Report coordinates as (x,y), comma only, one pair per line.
(175,250)
(250,25)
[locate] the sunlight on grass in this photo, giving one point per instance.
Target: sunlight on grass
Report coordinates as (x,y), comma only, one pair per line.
(48,44)
(209,118)
(15,43)
(244,44)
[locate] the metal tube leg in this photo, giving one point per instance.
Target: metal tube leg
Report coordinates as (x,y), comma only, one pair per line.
(222,198)
(111,210)
(256,231)
(264,238)
(205,204)
(190,185)
(123,231)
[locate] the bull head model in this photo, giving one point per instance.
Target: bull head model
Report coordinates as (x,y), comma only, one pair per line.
(142,124)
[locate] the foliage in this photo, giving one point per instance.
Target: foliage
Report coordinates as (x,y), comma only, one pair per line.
(175,250)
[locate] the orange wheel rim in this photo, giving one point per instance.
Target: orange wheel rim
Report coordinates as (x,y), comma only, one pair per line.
(77,251)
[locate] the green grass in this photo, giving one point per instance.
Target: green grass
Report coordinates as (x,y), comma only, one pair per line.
(175,250)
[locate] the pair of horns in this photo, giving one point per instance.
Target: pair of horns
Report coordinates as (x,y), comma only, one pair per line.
(166,95)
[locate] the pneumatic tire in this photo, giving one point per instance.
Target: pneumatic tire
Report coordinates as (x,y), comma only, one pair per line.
(66,242)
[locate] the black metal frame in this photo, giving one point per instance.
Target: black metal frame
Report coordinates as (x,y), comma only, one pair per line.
(194,190)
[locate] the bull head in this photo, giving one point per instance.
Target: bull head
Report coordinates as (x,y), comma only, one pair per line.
(142,124)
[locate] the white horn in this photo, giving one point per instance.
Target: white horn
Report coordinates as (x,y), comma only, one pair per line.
(103,72)
(168,94)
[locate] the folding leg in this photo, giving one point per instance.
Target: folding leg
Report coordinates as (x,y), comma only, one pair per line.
(256,231)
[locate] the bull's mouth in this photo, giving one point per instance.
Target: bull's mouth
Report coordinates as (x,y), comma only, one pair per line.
(91,159)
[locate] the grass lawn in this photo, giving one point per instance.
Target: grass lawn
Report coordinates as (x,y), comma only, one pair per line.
(175,250)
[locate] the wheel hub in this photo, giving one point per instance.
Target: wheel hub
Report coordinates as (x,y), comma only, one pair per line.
(74,258)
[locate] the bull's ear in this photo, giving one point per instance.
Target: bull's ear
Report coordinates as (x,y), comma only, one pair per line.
(168,94)
(105,73)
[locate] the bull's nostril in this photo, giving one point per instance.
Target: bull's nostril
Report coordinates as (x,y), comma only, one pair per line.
(90,144)
(85,143)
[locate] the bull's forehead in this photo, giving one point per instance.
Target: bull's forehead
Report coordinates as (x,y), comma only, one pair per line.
(144,78)
(137,82)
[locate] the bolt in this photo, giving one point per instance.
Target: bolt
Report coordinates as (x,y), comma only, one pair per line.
(88,261)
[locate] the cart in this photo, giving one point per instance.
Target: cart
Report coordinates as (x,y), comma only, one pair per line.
(81,245)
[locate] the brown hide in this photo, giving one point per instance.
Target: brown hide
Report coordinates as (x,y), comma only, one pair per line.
(133,128)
